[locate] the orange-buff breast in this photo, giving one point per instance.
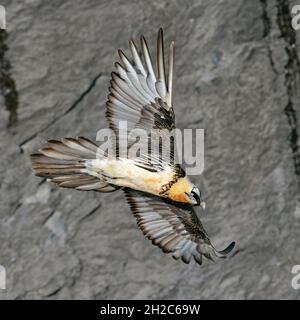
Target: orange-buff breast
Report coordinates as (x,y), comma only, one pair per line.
(179,189)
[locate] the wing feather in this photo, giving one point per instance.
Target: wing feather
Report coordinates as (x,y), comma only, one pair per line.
(170,75)
(148,59)
(143,99)
(134,86)
(174,227)
(137,58)
(161,84)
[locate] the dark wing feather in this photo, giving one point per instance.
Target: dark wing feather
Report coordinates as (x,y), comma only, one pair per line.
(144,100)
(63,162)
(174,227)
(135,89)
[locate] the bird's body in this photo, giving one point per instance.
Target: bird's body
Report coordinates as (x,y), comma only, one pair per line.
(126,173)
(157,189)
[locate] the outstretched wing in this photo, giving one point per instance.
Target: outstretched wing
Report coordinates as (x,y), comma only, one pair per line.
(144,100)
(137,94)
(174,227)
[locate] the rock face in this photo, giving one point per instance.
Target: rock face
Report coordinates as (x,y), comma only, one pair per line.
(236,76)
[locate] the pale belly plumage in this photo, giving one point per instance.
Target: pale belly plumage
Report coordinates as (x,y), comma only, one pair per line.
(125,173)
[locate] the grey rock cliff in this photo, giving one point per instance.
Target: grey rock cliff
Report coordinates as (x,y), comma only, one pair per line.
(236,75)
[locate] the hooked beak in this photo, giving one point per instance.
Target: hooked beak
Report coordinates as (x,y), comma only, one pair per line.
(196,199)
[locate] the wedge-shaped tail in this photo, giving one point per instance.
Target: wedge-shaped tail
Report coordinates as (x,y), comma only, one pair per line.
(64,163)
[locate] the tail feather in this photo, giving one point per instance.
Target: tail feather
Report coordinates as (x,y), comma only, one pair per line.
(71,148)
(63,162)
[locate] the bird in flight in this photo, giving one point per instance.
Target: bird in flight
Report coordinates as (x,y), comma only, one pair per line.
(160,194)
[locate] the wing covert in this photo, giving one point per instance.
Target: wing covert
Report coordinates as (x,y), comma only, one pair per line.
(174,227)
(135,88)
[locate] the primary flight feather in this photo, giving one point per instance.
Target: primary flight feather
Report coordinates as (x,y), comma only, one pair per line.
(158,191)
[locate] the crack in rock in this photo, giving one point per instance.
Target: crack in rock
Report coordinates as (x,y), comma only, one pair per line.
(89,214)
(73,106)
(292,78)
(265,18)
(266,32)
(53,293)
(7,83)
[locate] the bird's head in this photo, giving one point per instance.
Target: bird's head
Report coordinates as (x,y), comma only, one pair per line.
(184,191)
